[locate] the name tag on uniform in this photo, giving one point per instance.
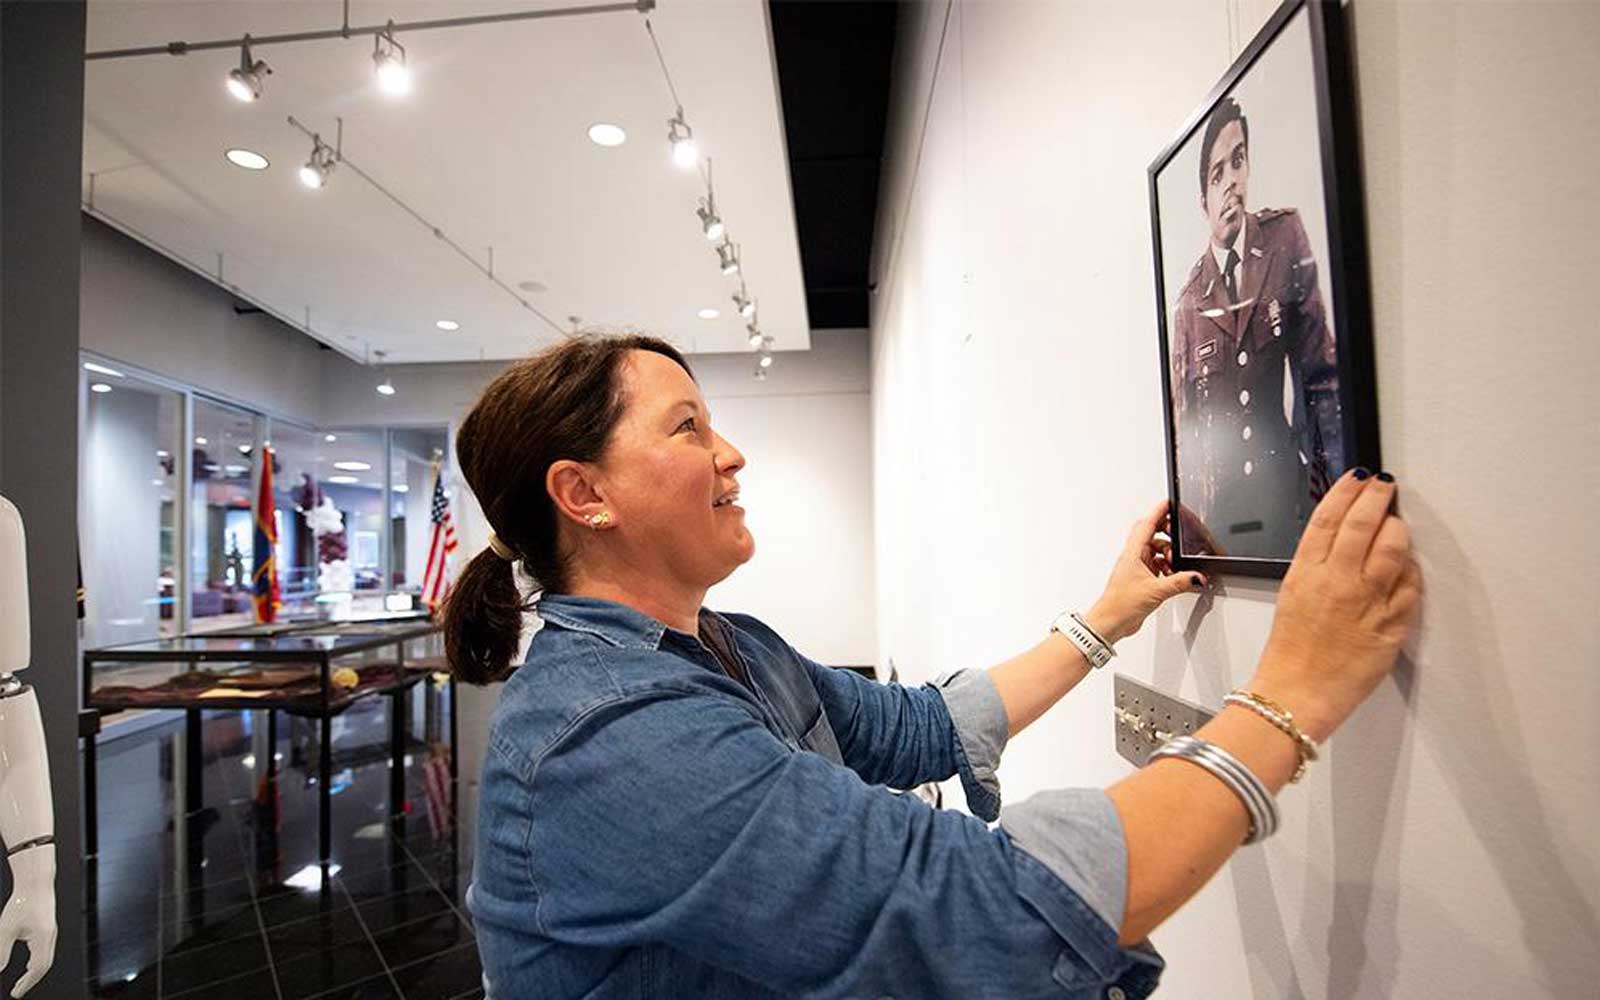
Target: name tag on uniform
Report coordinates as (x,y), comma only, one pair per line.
(1205,350)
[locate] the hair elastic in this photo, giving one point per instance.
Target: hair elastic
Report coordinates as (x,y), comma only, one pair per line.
(501,549)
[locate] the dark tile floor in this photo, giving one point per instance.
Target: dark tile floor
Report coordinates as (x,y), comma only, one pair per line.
(230,902)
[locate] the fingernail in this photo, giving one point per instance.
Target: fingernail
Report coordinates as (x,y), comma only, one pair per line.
(1384,477)
(1197,582)
(1361,472)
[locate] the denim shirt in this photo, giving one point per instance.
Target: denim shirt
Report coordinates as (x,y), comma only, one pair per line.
(650,827)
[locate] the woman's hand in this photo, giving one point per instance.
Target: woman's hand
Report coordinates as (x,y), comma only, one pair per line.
(1350,600)
(1141,580)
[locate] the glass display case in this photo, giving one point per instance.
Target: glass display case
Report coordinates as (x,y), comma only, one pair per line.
(310,669)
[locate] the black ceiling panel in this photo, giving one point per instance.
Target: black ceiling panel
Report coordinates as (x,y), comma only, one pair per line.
(833,59)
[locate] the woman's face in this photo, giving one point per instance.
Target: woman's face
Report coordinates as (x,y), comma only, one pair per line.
(669,478)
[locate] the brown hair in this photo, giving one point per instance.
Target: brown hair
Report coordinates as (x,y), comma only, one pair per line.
(559,404)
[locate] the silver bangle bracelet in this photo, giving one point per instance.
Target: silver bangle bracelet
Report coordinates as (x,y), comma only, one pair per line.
(1229,770)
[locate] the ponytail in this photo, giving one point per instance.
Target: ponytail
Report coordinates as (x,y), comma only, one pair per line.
(483,620)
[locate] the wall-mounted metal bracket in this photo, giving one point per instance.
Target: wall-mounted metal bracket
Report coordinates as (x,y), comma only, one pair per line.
(1147,718)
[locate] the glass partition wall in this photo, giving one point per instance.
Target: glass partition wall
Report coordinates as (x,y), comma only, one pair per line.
(130,552)
(351,508)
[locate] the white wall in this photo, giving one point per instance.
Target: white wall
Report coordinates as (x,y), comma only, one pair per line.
(1445,846)
(142,309)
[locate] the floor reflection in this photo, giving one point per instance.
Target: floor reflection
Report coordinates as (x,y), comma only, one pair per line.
(230,900)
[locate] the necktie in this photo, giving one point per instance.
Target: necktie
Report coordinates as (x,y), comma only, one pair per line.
(1228,281)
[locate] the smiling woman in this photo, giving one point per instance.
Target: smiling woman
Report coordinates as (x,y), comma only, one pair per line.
(674,796)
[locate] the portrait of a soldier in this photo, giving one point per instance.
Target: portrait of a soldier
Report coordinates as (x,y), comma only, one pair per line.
(1254,371)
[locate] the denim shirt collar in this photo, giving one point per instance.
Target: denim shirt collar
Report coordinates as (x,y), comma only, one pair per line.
(616,623)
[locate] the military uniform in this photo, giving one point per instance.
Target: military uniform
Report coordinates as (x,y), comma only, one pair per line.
(1255,392)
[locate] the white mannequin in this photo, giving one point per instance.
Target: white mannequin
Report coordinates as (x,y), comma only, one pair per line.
(27,818)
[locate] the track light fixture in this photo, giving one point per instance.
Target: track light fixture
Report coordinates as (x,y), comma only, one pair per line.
(386,387)
(710,222)
(681,138)
(317,169)
(757,338)
(389,60)
(761,374)
(728,256)
(247,82)
(765,361)
(746,305)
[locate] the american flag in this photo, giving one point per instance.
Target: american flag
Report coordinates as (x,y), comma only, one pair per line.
(441,545)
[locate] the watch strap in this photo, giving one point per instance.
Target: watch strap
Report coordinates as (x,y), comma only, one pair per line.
(1094,649)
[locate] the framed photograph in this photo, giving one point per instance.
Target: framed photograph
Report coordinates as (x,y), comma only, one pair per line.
(1261,292)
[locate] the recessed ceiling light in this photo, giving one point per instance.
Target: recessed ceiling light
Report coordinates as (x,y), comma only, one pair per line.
(448,324)
(343,480)
(100,387)
(90,366)
(201,441)
(402,488)
(532,286)
(247,158)
(607,134)
(709,314)
(244,449)
(330,438)
(352,466)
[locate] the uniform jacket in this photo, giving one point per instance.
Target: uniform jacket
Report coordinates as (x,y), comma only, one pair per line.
(1255,392)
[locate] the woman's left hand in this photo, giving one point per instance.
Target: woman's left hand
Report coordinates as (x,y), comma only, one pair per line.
(1141,579)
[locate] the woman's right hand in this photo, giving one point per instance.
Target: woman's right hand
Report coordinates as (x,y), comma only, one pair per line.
(1349,602)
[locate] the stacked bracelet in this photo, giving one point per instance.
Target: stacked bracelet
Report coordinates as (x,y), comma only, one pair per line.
(1283,719)
(1228,769)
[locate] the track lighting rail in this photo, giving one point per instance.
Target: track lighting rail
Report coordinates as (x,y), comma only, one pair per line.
(182,48)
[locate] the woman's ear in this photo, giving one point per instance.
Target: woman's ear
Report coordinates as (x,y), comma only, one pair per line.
(576,494)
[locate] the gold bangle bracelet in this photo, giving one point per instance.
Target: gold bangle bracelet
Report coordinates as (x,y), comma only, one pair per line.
(1283,720)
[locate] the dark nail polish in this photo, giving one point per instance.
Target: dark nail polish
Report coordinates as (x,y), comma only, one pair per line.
(1384,477)
(1361,473)
(1196,583)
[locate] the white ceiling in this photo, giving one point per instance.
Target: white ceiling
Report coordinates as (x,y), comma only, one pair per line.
(491,146)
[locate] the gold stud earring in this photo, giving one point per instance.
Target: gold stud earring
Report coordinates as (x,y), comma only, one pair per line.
(600,520)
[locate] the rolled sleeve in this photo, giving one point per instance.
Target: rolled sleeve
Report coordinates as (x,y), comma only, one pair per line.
(1073,838)
(981,727)
(1077,834)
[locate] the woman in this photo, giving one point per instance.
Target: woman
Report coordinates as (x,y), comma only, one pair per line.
(676,803)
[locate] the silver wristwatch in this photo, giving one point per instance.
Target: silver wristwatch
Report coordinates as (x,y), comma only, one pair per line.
(1094,649)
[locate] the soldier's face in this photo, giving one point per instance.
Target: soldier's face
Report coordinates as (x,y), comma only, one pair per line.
(1227,177)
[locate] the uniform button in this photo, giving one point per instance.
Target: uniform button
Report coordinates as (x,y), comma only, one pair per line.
(1115,993)
(1205,369)
(1244,397)
(1247,433)
(1249,467)
(1244,358)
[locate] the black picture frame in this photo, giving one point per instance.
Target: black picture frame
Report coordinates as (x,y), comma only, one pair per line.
(1348,288)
